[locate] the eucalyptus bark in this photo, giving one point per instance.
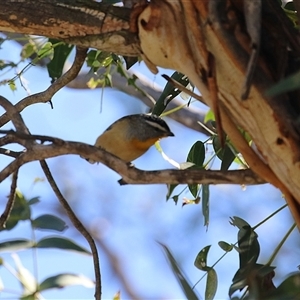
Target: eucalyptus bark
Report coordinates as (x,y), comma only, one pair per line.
(183,35)
(82,23)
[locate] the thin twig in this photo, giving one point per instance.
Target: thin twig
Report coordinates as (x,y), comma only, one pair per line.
(8,139)
(25,136)
(13,115)
(10,203)
(47,95)
(78,225)
(183,88)
(10,153)
(279,246)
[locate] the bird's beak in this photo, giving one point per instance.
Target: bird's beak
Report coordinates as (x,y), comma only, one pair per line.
(170,134)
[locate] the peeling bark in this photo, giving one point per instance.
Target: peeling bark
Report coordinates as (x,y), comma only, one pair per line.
(83,23)
(271,122)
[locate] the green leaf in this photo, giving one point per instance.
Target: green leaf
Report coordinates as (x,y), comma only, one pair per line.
(225,154)
(201,259)
(169,93)
(46,51)
(205,203)
(186,287)
(56,65)
(130,61)
(248,245)
(49,222)
(117,296)
(61,243)
(12,85)
(6,64)
(94,83)
(91,57)
(196,154)
(225,246)
(63,280)
(238,222)
(287,84)
(171,188)
(290,6)
(217,147)
(194,189)
(228,158)
(175,199)
(289,289)
(34,200)
(211,284)
(16,245)
(249,248)
(249,275)
(209,116)
(239,281)
(28,50)
(20,211)
(97,59)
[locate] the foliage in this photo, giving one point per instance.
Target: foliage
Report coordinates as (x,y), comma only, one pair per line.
(252,280)
(31,289)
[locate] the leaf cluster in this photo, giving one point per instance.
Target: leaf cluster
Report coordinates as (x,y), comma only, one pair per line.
(253,280)
(21,212)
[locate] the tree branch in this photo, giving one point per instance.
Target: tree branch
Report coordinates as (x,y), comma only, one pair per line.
(79,22)
(47,95)
(10,153)
(11,200)
(130,174)
(78,225)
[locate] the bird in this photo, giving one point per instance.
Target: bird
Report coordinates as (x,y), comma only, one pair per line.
(131,136)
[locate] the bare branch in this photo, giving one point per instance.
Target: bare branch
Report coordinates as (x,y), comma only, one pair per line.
(78,225)
(130,174)
(13,115)
(10,153)
(8,139)
(11,200)
(24,136)
(46,96)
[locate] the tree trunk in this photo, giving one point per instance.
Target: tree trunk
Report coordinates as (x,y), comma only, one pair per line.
(184,35)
